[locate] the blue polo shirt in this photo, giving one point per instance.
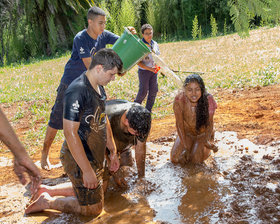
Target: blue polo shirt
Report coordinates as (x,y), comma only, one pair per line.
(84,46)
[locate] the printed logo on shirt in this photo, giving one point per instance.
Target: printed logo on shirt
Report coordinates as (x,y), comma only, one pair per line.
(75,107)
(82,50)
(97,121)
(92,51)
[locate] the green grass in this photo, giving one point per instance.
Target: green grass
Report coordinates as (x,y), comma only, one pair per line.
(228,62)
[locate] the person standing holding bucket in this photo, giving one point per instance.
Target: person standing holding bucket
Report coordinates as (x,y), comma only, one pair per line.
(86,43)
(147,71)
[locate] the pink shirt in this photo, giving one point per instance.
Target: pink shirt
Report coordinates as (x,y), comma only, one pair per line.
(212,104)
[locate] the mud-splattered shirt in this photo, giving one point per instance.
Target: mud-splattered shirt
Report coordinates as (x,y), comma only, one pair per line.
(83,104)
(114,110)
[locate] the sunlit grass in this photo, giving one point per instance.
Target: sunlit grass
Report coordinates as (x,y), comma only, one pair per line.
(227,62)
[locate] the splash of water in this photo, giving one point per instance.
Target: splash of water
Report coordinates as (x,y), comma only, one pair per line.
(166,70)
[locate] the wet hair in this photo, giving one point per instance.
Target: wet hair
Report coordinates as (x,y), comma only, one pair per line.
(139,118)
(94,11)
(202,113)
(108,58)
(145,27)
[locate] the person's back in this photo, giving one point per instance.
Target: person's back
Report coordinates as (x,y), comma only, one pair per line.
(114,110)
(130,124)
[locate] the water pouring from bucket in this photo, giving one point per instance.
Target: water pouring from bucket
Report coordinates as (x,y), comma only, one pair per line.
(166,70)
(132,49)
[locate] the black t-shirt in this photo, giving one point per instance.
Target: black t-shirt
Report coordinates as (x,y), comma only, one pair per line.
(83,104)
(114,110)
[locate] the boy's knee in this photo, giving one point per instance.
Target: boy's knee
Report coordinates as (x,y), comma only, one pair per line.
(92,210)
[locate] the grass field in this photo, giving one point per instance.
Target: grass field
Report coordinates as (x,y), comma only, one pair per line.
(27,92)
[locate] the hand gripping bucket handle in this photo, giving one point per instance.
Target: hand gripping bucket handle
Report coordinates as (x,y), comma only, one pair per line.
(131,49)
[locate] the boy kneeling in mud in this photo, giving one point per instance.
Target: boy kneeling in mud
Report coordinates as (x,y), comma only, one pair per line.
(85,128)
(194,110)
(130,123)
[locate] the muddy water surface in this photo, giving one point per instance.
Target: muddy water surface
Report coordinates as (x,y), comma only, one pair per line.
(238,184)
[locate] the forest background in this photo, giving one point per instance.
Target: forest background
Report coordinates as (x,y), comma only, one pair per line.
(35,29)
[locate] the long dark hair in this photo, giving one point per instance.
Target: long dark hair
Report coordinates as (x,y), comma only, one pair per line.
(202,113)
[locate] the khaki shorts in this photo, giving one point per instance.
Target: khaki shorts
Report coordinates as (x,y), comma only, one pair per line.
(84,195)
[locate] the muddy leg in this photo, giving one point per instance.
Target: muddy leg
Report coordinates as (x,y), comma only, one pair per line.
(65,189)
(50,135)
(64,204)
(199,152)
(178,153)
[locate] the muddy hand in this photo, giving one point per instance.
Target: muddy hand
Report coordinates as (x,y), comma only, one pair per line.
(211,146)
(90,179)
(119,178)
(114,163)
(26,166)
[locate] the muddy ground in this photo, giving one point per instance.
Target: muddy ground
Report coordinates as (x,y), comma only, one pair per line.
(239,184)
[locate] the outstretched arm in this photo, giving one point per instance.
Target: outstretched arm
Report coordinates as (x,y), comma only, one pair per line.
(178,111)
(22,164)
(140,156)
(212,107)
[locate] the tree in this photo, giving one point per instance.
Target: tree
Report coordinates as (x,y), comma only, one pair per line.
(195,29)
(214,27)
(55,20)
(242,11)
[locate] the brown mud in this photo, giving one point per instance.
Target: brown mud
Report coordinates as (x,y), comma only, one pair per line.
(238,184)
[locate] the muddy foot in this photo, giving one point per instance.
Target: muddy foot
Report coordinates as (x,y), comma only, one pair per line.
(45,163)
(42,188)
(39,205)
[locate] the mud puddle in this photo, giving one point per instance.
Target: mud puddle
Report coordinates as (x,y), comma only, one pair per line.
(238,184)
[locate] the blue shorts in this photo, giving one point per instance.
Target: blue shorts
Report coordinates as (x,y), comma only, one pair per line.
(56,117)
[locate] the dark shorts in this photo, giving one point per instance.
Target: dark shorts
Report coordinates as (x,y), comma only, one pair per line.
(84,195)
(125,160)
(56,117)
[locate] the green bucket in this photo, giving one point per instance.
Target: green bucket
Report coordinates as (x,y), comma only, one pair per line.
(130,48)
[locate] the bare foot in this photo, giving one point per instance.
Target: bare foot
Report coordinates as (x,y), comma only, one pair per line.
(45,163)
(42,188)
(40,204)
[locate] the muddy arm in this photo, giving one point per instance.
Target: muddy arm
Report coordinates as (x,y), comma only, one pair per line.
(140,156)
(178,111)
(209,129)
(113,160)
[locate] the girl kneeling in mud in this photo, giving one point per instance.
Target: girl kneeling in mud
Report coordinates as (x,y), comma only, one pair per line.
(194,110)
